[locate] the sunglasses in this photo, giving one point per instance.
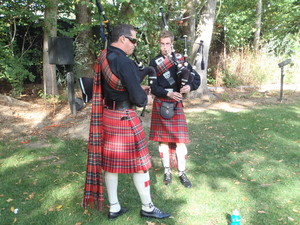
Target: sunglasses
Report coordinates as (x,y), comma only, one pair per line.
(132,40)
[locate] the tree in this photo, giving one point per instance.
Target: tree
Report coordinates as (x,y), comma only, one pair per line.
(50,30)
(257,25)
(85,55)
(204,33)
(19,37)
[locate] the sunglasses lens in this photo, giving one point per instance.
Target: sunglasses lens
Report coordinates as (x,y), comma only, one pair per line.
(132,40)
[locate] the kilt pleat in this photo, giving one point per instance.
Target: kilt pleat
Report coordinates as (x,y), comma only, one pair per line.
(168,130)
(124,143)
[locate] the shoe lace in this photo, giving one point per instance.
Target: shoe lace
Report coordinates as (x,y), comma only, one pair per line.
(157,210)
(184,178)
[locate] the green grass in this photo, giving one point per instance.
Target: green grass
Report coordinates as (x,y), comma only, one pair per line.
(247,160)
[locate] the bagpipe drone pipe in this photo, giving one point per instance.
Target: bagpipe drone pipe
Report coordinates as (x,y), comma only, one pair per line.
(86,83)
(184,75)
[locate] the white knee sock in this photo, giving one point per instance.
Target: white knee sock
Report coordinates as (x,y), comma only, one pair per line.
(165,156)
(142,184)
(181,153)
(111,182)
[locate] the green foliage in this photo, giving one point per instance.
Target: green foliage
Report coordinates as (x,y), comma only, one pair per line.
(14,70)
(280,24)
(231,80)
(18,52)
(235,28)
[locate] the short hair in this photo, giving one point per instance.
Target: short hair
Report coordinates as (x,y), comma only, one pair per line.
(119,30)
(166,34)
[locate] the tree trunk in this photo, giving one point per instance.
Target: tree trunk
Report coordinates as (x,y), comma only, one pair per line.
(189,22)
(204,33)
(257,25)
(84,55)
(50,30)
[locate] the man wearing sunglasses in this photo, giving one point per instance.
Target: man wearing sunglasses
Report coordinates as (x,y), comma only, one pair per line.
(117,141)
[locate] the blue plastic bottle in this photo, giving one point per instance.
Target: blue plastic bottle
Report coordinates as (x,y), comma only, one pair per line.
(235,218)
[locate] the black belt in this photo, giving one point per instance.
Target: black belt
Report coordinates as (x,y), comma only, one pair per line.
(118,105)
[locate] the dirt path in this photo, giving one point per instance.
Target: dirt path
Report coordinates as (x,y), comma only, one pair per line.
(22,119)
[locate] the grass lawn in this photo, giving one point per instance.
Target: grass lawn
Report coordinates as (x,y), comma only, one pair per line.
(243,160)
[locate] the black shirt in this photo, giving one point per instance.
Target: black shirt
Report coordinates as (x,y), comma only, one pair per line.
(127,71)
(167,79)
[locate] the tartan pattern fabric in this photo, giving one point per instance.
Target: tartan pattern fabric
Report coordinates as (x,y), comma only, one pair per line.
(124,144)
(110,78)
(168,130)
(167,64)
(102,152)
(93,191)
(173,156)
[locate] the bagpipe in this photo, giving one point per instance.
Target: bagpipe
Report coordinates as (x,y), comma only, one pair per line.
(184,75)
(86,83)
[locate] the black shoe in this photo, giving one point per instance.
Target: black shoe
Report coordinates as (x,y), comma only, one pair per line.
(156,213)
(113,215)
(168,179)
(185,181)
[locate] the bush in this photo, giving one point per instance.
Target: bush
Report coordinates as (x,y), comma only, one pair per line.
(249,69)
(14,71)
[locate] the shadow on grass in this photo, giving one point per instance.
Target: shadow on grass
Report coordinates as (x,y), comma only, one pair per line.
(247,160)
(253,156)
(46,185)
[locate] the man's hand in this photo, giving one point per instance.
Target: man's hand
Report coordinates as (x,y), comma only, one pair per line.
(150,99)
(175,95)
(146,89)
(185,89)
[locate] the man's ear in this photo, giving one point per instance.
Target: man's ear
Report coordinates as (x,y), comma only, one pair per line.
(122,39)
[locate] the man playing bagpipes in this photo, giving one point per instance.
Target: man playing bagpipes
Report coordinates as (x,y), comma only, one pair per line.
(117,141)
(175,77)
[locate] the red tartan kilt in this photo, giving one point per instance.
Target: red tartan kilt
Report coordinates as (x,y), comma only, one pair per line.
(124,143)
(168,130)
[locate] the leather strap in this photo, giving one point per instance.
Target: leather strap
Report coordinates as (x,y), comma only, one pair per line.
(116,105)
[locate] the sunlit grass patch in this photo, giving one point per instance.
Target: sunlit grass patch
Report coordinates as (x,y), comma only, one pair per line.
(246,160)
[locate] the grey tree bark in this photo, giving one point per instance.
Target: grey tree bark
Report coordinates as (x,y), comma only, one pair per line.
(257,25)
(50,30)
(84,55)
(204,33)
(189,21)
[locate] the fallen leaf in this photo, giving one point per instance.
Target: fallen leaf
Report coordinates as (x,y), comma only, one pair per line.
(19,182)
(150,223)
(51,209)
(9,200)
(236,182)
(296,211)
(31,196)
(291,219)
(78,223)
(244,198)
(12,209)
(261,211)
(86,212)
(15,220)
